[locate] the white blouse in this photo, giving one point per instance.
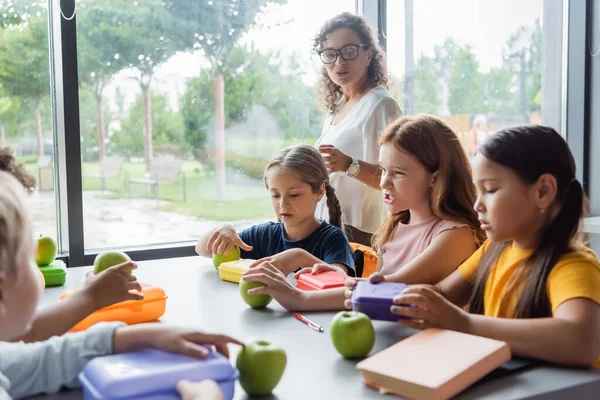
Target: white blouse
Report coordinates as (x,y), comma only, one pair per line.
(357,135)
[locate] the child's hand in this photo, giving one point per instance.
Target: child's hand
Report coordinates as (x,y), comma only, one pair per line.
(276,285)
(189,342)
(350,284)
(113,285)
(223,239)
(287,261)
(432,310)
(205,390)
(319,268)
(376,277)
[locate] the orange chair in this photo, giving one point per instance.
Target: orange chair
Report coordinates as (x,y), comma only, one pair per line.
(365,259)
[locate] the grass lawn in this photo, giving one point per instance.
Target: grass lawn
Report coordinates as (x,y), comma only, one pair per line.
(242,201)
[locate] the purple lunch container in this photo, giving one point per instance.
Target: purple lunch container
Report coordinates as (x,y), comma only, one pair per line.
(376,299)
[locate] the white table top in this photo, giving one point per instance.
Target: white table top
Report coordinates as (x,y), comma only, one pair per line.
(197,297)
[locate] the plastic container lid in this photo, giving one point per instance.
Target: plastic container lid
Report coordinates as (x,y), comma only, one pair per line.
(376,299)
(232,271)
(325,280)
(151,308)
(377,293)
(55,274)
(149,372)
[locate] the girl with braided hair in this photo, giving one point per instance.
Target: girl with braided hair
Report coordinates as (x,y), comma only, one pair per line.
(297,180)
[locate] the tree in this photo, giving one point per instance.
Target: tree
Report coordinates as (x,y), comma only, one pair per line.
(465,83)
(426,91)
(96,58)
(215,26)
(168,127)
(498,96)
(140,36)
(251,78)
(24,66)
(532,51)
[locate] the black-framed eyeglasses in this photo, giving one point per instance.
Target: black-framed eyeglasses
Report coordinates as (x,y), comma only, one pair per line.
(348,52)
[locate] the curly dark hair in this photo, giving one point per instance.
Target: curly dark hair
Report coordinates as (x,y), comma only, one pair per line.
(331,93)
(9,164)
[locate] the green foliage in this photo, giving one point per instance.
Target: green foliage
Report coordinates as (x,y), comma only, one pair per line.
(251,78)
(215,26)
(426,92)
(167,128)
(252,167)
(465,83)
(24,59)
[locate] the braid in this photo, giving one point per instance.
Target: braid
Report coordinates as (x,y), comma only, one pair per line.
(334,207)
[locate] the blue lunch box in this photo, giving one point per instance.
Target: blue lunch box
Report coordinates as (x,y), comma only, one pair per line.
(152,375)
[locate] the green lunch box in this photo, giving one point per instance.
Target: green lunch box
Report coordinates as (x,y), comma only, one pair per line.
(54,274)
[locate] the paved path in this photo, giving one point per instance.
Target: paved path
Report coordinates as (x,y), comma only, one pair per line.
(124,222)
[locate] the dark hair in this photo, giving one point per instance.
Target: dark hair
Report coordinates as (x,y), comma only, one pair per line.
(307,164)
(376,72)
(9,164)
(431,141)
(531,151)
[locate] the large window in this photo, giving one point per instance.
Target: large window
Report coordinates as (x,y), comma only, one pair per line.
(25,103)
(479,65)
(181,105)
(182,102)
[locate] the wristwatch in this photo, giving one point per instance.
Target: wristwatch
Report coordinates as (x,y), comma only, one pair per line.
(353,169)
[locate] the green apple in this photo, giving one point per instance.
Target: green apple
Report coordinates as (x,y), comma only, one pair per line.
(46,251)
(233,255)
(254,300)
(261,365)
(108,259)
(352,334)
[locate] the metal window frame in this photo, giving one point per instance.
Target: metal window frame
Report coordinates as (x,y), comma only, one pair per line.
(62,37)
(577,93)
(375,12)
(65,95)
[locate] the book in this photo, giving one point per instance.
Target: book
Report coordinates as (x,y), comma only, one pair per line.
(434,364)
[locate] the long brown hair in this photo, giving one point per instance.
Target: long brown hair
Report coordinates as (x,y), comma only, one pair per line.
(307,164)
(531,151)
(331,93)
(436,146)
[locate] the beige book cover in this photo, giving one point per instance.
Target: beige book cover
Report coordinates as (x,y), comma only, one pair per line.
(434,364)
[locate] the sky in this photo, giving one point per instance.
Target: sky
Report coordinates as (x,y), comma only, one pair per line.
(290,28)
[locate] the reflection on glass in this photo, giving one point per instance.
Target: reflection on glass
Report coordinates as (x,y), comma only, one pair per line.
(476,64)
(182,105)
(25,110)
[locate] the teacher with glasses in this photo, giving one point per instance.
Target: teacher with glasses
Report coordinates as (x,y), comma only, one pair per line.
(359,106)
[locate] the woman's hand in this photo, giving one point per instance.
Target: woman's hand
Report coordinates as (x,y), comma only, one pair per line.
(276,285)
(204,390)
(335,160)
(428,308)
(223,239)
(113,285)
(319,268)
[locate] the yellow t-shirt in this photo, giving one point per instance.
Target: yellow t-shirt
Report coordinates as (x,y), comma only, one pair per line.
(576,275)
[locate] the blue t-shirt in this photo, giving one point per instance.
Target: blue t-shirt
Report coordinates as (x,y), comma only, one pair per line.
(328,243)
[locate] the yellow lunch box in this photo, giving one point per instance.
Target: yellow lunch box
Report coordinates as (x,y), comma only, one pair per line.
(232,271)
